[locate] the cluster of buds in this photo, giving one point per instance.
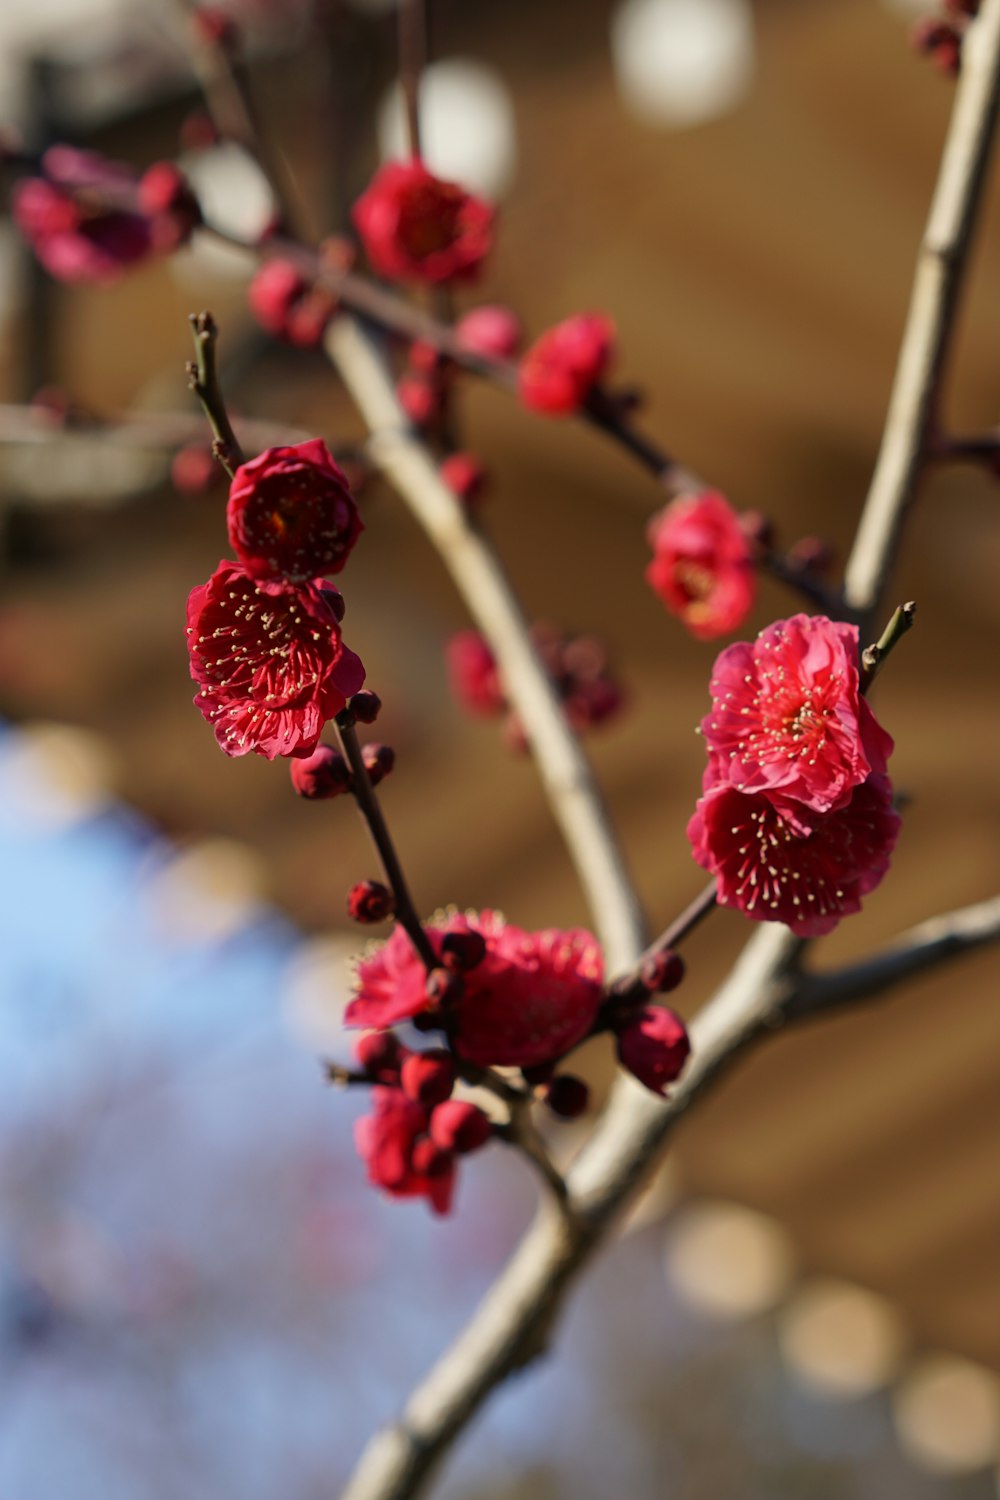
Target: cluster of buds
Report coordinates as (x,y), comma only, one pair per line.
(940,37)
(578,667)
(498,997)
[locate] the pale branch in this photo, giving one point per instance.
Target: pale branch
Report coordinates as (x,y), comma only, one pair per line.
(513,1321)
(479,578)
(909,432)
(917,951)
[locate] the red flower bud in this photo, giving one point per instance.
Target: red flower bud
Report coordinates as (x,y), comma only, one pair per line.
(493,332)
(365,707)
(462,951)
(662,972)
(562,367)
(323,774)
(165,196)
(379,761)
(654,1047)
(567,1096)
(811,552)
(419,398)
(429,1077)
(457,1125)
(430,1160)
(380,1054)
(465,475)
(757,527)
(442,988)
(370,901)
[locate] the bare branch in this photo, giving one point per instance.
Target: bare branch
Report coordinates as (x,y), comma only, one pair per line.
(568,780)
(922,948)
(909,428)
(512,1323)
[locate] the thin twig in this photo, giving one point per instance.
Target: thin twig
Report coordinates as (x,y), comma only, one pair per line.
(203,380)
(371,812)
(412,61)
(873,657)
(568,780)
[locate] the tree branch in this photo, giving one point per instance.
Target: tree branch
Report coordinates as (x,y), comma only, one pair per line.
(512,1323)
(479,578)
(908,436)
(922,948)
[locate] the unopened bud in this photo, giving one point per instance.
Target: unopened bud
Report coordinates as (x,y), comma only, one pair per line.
(567,1096)
(370,901)
(379,761)
(429,1077)
(428,1159)
(462,951)
(443,988)
(325,773)
(757,527)
(366,706)
(379,1054)
(457,1125)
(812,553)
(654,1046)
(465,475)
(662,972)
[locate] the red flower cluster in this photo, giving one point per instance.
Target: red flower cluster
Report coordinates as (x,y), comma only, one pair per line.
(88,219)
(796,821)
(417,228)
(562,367)
(577,665)
(410,1141)
(264,634)
(702,565)
(530,998)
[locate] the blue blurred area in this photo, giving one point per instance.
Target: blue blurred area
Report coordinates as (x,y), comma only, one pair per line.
(201,1297)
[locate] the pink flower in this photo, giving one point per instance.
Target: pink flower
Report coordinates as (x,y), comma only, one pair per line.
(166,198)
(778,861)
(79,219)
(492,331)
(291,513)
(787,716)
(394,1144)
(269,661)
(701,567)
(562,367)
(287,306)
(417,228)
(532,997)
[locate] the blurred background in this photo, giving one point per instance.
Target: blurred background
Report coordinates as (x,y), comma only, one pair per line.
(198,1293)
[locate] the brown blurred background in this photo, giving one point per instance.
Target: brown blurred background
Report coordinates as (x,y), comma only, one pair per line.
(757,265)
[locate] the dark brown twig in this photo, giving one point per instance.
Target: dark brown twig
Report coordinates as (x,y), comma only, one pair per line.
(203,380)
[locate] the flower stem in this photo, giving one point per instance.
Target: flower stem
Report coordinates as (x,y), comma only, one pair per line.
(203,380)
(371,812)
(873,657)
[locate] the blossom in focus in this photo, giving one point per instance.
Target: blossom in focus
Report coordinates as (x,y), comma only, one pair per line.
(269,660)
(394,1144)
(777,860)
(562,367)
(288,306)
(78,217)
(702,565)
(417,228)
(530,998)
(787,715)
(291,513)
